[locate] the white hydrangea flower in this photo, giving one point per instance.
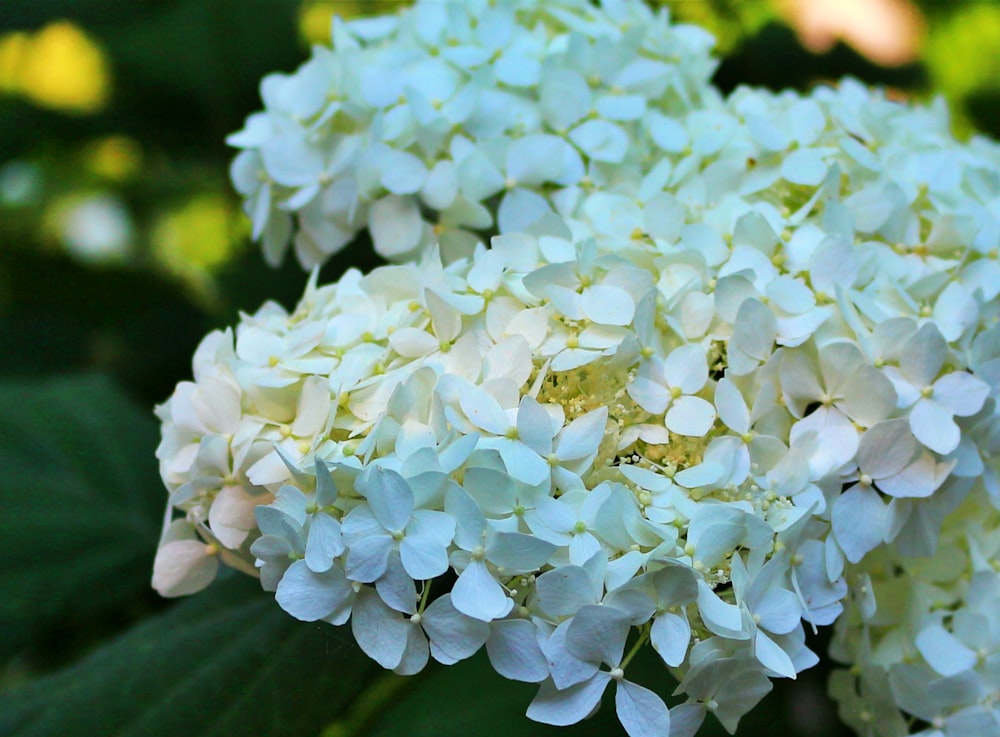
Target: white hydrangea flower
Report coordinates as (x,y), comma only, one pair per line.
(750,361)
(922,635)
(432,417)
(484,116)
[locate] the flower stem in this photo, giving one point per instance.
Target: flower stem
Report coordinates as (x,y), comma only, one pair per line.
(640,641)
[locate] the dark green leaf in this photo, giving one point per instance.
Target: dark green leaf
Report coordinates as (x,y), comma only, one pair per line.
(225,663)
(81,501)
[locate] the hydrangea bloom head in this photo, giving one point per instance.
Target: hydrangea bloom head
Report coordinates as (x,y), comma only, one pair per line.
(587,442)
(477,114)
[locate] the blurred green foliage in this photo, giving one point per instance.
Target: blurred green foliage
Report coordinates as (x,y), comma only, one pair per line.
(121,244)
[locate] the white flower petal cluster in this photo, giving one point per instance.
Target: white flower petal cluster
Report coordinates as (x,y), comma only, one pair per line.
(561,450)
(455,117)
(922,635)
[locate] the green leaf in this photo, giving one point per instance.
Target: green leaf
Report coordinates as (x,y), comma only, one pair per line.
(224,663)
(81,501)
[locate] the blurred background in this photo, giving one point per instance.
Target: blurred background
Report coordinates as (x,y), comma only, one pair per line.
(122,244)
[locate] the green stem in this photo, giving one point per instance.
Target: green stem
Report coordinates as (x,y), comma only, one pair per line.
(357,720)
(642,640)
(424,595)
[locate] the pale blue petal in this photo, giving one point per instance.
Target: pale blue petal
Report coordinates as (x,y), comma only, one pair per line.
(686,719)
(597,634)
(691,416)
(380,632)
(721,618)
(395,588)
(452,633)
(570,705)
(641,712)
(944,652)
(859,521)
(389,498)
(772,657)
(514,653)
(324,542)
(423,558)
(534,427)
(582,436)
(962,392)
(933,424)
(479,595)
(671,635)
(311,596)
(518,553)
(562,591)
(416,654)
(366,558)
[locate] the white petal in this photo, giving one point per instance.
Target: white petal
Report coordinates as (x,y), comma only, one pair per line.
(933,424)
(839,439)
(520,209)
(686,368)
(944,652)
(641,712)
(522,462)
(703,474)
(771,656)
(366,558)
(416,654)
(517,71)
(395,224)
(534,426)
(691,416)
(923,355)
(183,567)
(778,611)
(886,448)
(859,521)
(514,653)
(569,705)
(962,392)
(601,140)
(311,596)
(451,632)
(721,618)
(484,411)
(231,515)
(671,635)
(562,591)
(731,406)
(380,632)
(686,719)
(804,166)
(402,173)
(518,553)
(597,634)
(535,159)
(389,498)
(395,588)
(920,478)
(413,342)
(478,594)
(607,305)
(422,557)
(582,436)
(324,542)
(650,395)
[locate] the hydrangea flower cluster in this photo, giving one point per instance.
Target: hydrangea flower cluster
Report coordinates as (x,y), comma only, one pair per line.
(923,635)
(457,117)
(730,363)
(585,452)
